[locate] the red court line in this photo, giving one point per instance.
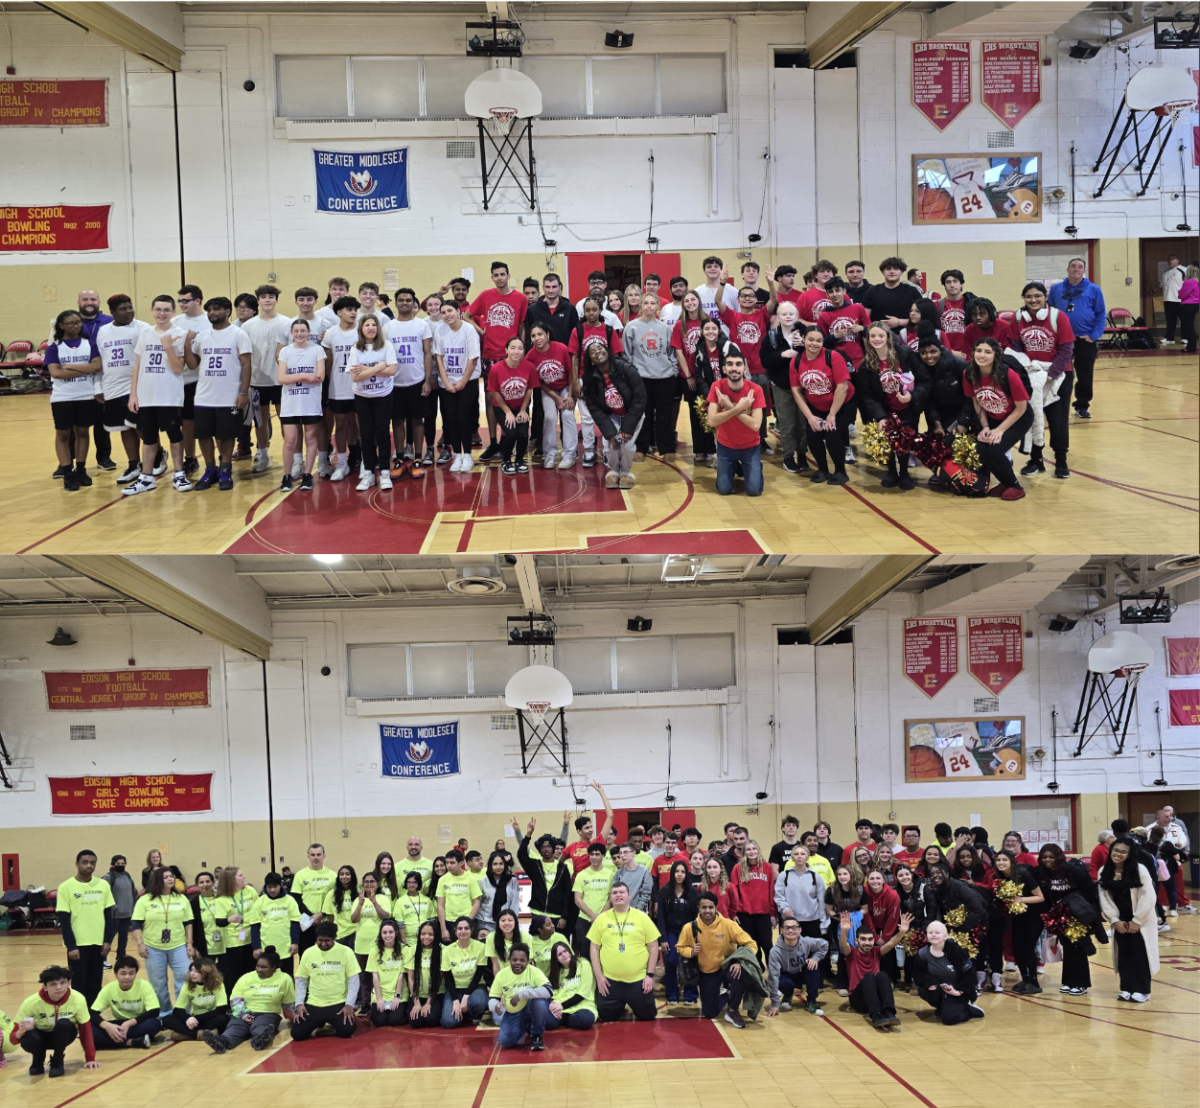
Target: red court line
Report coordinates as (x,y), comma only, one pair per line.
(895,523)
(487,1076)
(1157,981)
(1097,1019)
(93,1088)
(465,539)
(1134,491)
(882,1065)
(1158,431)
(74,523)
(691,492)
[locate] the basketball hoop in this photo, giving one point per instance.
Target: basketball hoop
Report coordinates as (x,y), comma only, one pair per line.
(536,710)
(500,121)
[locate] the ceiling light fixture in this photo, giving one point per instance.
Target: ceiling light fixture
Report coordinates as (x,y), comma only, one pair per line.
(328,559)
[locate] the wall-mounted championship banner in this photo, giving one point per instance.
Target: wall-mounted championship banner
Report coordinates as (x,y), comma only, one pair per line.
(419,750)
(126,688)
(53,103)
(1011,75)
(930,653)
(1185,707)
(1183,657)
(121,795)
(941,80)
(995,650)
(361,183)
(60,227)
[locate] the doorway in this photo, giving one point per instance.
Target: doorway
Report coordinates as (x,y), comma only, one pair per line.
(620,270)
(1153,264)
(625,818)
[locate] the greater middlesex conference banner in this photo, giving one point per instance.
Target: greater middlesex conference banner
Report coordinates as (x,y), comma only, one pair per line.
(71,227)
(419,750)
(361,184)
(52,104)
(98,796)
(127,688)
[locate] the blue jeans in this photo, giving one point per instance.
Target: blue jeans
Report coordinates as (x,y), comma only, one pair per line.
(751,463)
(671,971)
(582,1020)
(529,1020)
(811,982)
(477,1004)
(156,969)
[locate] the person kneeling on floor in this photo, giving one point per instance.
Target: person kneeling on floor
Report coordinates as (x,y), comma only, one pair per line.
(945,977)
(725,957)
(616,397)
(326,987)
(624,952)
(735,412)
(795,959)
(870,989)
(520,997)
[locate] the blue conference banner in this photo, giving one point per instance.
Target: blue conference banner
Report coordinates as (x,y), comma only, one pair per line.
(419,750)
(376,181)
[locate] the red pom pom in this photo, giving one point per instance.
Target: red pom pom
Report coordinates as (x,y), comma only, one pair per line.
(931,448)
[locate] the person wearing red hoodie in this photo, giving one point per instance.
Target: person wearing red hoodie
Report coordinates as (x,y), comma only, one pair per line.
(882,914)
(50,1020)
(752,897)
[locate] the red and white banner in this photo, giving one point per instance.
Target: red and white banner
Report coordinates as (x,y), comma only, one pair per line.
(941,80)
(98,796)
(995,650)
(1183,657)
(930,653)
(126,688)
(53,103)
(1011,76)
(1185,707)
(71,227)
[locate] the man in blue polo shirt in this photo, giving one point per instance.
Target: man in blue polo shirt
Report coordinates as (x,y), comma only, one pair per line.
(1084,304)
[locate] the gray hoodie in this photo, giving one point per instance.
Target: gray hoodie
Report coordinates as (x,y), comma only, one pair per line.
(803,894)
(640,884)
(790,960)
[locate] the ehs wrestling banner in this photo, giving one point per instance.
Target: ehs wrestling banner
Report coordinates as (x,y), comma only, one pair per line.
(420,750)
(361,183)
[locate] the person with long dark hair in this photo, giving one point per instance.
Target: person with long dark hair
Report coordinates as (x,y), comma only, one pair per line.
(1045,336)
(385,874)
(499,942)
(162,929)
(202,1004)
(207,938)
(918,901)
(573,985)
(389,982)
(1061,879)
(413,907)
(339,904)
(1002,411)
(234,903)
(464,964)
(370,909)
(1025,926)
(498,889)
(969,868)
(423,964)
(1127,899)
(933,856)
(677,906)
(893,383)
(752,897)
(456,349)
(823,392)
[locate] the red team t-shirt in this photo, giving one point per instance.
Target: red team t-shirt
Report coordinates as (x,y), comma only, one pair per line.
(817,380)
(733,434)
(511,383)
(1042,338)
(791,296)
(552,369)
(993,399)
(613,397)
(597,333)
(812,303)
(500,316)
(895,381)
(687,341)
(850,313)
(748,331)
(954,326)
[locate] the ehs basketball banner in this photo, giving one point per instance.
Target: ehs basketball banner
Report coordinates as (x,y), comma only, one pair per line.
(995,650)
(930,653)
(98,796)
(941,80)
(361,183)
(419,750)
(53,103)
(59,227)
(127,688)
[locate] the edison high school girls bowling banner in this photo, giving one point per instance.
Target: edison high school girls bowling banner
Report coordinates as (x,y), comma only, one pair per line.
(361,184)
(419,750)
(121,794)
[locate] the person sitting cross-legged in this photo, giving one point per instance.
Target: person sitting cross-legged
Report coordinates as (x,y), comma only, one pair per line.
(870,988)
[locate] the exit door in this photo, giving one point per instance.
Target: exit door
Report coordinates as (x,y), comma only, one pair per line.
(620,269)
(624,818)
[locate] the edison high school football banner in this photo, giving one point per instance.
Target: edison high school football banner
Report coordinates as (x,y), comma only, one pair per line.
(419,750)
(361,184)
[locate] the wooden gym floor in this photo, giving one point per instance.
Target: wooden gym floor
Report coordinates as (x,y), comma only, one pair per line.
(1133,489)
(1090,1052)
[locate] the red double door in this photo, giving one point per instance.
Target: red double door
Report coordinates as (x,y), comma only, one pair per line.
(580,265)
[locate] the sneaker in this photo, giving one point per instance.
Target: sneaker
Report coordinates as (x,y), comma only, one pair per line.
(1123,996)
(974,1012)
(853,429)
(467,464)
(536,1042)
(1014,493)
(733,1016)
(850,455)
(490,454)
(297,465)
(627,481)
(1172,912)
(81,475)
(1034,465)
(417,470)
(132,472)
(568,462)
(444,455)
(843,992)
(142,484)
(180,482)
(225,478)
(1139,998)
(427,458)
(398,468)
(385,483)
(209,479)
(522,467)
(996,491)
(997,983)
(160,463)
(767,449)
(888,481)
(145,1042)
(409,454)
(1065,989)
(785,1006)
(106,463)
(306,482)
(1083,413)
(1077,992)
(286,484)
(191,464)
(240,453)
(324,466)
(211,1037)
(589,460)
(108,965)
(455,465)
(368,480)
(37,1067)
(790,464)
(1061,471)
(70,480)
(61,472)
(839,478)
(340,472)
(508,469)
(476,441)
(612,480)
(881,1023)
(814,1009)
(1163,928)
(819,476)
(548,461)
(57,1066)
(906,483)
(262,461)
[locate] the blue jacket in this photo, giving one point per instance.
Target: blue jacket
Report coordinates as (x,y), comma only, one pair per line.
(1084,305)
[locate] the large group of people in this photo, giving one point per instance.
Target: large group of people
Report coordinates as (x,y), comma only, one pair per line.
(360,383)
(736,930)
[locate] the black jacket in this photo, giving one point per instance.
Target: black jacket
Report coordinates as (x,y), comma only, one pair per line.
(628,384)
(674,912)
(959,959)
(561,322)
(870,393)
(946,401)
(706,373)
(954,893)
(552,901)
(771,354)
(921,904)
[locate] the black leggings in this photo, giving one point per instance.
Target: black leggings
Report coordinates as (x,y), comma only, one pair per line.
(758,927)
(176,1023)
(460,417)
(374,430)
(995,943)
(513,438)
(703,442)
(658,428)
(434,1019)
(831,442)
(873,996)
(392,1017)
(1026,930)
(950,1009)
(993,455)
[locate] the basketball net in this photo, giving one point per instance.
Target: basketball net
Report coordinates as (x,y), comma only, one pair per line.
(537,710)
(499,123)
(1132,674)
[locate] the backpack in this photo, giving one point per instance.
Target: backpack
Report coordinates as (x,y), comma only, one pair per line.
(1018,367)
(608,334)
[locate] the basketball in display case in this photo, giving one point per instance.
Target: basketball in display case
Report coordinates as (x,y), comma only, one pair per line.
(960,188)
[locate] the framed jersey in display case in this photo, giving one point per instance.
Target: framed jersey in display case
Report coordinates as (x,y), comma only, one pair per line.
(955,188)
(973,747)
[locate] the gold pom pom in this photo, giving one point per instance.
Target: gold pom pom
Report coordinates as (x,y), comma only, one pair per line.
(965,452)
(875,444)
(701,406)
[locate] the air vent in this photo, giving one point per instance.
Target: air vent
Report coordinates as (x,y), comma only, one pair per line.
(504,722)
(1001,140)
(989,705)
(476,581)
(460,148)
(83,731)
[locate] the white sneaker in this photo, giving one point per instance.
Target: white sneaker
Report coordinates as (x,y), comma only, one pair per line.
(1123,996)
(368,481)
(297,466)
(1163,928)
(341,473)
(784,1006)
(142,484)
(568,462)
(160,467)
(850,454)
(1172,912)
(997,983)
(548,462)
(1010,967)
(467,464)
(262,461)
(1139,998)
(853,429)
(385,479)
(324,467)
(453,466)
(180,482)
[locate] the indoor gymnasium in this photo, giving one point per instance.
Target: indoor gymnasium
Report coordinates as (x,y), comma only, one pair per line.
(517,829)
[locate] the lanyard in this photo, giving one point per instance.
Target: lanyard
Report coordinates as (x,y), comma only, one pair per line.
(621,926)
(165,905)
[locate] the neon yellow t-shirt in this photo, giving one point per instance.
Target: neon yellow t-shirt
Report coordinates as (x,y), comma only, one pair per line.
(341,916)
(274,919)
(461,963)
(196,1000)
(328,972)
(539,950)
(423,866)
(85,902)
(205,918)
(266,994)
(582,983)
(594,886)
(410,963)
(459,892)
(392,979)
(44,1014)
(159,915)
(311,886)
(624,943)
(411,912)
(369,922)
(7,1046)
(507,983)
(240,904)
(126,1003)
(489,945)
